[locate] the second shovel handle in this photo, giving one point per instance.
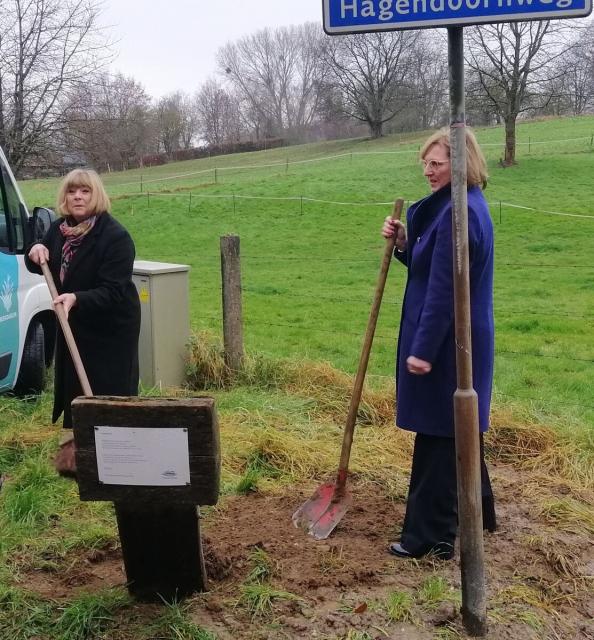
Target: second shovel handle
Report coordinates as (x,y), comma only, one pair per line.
(365,351)
(67,331)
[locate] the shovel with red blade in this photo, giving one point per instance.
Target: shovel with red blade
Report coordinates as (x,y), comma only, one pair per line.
(324,510)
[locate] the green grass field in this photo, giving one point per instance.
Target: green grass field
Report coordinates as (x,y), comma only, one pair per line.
(309,263)
(309,267)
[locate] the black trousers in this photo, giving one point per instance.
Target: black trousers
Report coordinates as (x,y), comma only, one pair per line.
(431,519)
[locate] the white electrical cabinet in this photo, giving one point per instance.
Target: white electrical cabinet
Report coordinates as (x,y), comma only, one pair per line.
(164,324)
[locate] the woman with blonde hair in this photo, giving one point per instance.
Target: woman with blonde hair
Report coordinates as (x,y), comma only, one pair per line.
(90,256)
(426,360)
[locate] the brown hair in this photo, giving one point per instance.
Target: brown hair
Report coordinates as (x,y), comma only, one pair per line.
(84,178)
(476,165)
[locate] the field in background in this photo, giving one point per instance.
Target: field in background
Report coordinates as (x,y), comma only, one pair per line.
(309,218)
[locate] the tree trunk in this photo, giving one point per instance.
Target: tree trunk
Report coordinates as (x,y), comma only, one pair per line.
(510,141)
(376,128)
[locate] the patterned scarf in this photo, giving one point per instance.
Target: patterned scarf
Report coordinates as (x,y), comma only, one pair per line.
(74,237)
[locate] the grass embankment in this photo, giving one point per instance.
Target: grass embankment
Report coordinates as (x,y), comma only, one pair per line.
(281,427)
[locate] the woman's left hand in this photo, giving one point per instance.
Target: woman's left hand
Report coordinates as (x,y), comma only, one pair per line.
(67,300)
(417,366)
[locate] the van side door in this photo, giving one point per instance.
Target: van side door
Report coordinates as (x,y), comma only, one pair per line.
(12,237)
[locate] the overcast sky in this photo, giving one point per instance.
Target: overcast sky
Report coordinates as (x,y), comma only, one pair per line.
(170,45)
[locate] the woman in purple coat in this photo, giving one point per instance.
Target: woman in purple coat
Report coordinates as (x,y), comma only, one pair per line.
(426,362)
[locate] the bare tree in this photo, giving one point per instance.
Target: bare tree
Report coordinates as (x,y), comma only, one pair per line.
(512,64)
(46,48)
(218,114)
(427,76)
(177,122)
(277,74)
(110,122)
(480,109)
(370,70)
(190,121)
(575,74)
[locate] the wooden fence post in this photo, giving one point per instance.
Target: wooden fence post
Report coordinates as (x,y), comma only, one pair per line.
(232,316)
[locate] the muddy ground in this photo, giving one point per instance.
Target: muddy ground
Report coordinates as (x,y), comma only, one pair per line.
(539,570)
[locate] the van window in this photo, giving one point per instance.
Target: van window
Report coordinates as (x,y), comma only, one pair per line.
(11,221)
(3,234)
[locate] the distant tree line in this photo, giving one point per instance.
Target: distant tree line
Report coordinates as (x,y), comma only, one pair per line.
(60,107)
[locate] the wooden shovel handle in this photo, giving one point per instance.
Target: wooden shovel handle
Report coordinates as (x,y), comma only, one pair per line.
(349,428)
(67,331)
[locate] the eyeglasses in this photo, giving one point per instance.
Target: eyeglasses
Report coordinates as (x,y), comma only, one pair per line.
(432,165)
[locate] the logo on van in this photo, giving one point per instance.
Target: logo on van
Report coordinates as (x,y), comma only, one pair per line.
(6,293)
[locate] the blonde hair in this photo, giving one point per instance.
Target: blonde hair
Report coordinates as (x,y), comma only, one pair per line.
(476,165)
(99,202)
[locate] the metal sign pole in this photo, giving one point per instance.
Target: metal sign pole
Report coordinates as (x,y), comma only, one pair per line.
(470,517)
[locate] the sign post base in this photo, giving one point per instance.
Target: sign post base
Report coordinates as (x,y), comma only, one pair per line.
(162,551)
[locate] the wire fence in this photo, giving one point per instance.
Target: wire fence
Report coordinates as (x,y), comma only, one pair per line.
(523,398)
(193,198)
(528,146)
(280,328)
(311,328)
(581,144)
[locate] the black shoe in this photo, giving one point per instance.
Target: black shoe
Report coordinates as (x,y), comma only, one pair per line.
(396,549)
(439,552)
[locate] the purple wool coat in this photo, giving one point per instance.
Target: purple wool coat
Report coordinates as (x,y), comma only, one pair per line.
(425,402)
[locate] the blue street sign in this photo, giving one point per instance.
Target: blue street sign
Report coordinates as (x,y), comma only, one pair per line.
(352,16)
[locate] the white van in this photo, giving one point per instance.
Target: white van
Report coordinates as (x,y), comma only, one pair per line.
(27,324)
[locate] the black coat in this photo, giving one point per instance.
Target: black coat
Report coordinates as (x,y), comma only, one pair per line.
(106,319)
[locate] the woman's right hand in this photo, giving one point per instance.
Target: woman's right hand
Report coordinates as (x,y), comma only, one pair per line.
(395,228)
(39,254)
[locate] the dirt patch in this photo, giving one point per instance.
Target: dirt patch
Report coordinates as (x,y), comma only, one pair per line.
(346,581)
(90,571)
(539,574)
